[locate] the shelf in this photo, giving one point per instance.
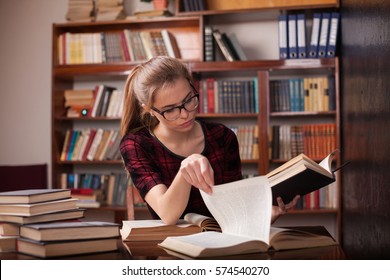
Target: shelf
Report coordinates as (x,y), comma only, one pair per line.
(86,162)
(216,7)
(300,114)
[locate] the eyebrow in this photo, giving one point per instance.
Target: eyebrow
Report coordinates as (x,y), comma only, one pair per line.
(174,105)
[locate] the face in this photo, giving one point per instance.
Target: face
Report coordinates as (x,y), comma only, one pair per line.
(175,106)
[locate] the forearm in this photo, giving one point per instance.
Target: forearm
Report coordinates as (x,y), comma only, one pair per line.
(170,203)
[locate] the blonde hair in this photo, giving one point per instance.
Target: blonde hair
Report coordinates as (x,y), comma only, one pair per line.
(142,84)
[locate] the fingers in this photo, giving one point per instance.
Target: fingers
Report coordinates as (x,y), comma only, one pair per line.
(197,171)
(285,207)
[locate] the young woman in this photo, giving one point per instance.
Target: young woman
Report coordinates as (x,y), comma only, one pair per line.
(168,153)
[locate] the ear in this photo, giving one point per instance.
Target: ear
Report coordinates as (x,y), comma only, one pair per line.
(149,111)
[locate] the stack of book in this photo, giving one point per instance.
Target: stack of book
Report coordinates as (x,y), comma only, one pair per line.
(46,223)
(23,207)
(68,238)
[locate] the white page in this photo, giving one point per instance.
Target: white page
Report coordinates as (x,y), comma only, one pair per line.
(243,207)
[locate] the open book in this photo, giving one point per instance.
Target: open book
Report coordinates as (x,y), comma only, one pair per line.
(243,211)
(157,230)
(300,175)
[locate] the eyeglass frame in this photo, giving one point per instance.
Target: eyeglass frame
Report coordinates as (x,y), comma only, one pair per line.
(180,107)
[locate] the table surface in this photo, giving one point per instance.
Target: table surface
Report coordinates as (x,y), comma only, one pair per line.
(149,250)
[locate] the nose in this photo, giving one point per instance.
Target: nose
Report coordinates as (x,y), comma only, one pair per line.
(185,112)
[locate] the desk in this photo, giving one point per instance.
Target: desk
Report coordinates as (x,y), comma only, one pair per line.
(150,251)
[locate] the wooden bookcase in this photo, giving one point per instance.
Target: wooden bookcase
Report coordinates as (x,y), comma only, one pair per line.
(187,28)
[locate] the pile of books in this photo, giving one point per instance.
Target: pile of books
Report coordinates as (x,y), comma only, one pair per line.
(46,223)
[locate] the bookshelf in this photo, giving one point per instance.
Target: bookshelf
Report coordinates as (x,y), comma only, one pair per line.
(187,28)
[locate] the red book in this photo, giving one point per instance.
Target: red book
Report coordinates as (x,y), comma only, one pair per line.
(210,95)
(89,143)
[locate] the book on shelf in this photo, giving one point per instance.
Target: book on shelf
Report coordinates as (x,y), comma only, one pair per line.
(223,46)
(243,211)
(48,249)
(38,208)
(69,231)
(72,214)
(150,13)
(33,195)
(157,230)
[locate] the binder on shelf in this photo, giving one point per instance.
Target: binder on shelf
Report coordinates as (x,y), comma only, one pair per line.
(315,35)
(332,38)
(209,46)
(292,36)
(323,41)
(283,37)
(301,30)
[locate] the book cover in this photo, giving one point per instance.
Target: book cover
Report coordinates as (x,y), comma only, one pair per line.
(69,231)
(65,248)
(33,195)
(72,214)
(38,208)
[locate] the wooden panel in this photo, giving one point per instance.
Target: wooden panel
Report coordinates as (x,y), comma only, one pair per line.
(366,135)
(256,4)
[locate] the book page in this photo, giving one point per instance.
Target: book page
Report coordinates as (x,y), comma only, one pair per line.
(242,207)
(327,162)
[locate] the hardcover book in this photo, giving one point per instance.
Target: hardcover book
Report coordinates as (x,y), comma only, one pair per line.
(157,230)
(243,210)
(72,214)
(33,195)
(38,208)
(65,248)
(69,231)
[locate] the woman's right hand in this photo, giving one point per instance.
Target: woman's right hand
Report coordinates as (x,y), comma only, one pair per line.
(197,171)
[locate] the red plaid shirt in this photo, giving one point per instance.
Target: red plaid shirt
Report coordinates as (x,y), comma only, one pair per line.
(150,163)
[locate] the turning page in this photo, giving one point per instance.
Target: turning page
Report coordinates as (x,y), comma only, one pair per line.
(242,207)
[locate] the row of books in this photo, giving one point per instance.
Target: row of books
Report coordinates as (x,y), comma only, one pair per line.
(90,10)
(94,190)
(193,5)
(293,41)
(102,101)
(91,144)
(324,198)
(310,94)
(248,140)
(314,140)
(228,44)
(115,46)
(227,96)
(47,223)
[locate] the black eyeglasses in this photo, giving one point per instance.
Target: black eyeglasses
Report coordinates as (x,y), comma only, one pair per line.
(173,113)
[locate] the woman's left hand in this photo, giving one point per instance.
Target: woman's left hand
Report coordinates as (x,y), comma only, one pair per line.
(282,208)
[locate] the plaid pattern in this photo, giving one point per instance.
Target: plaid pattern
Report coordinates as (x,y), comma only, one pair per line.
(150,163)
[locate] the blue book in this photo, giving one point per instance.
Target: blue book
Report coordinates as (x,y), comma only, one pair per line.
(283,37)
(315,35)
(323,41)
(332,38)
(292,37)
(301,37)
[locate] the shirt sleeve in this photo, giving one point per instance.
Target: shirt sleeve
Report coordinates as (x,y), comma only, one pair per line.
(139,162)
(232,157)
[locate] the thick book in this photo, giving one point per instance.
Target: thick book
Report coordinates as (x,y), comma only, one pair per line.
(69,231)
(300,176)
(72,214)
(243,210)
(33,195)
(157,230)
(65,248)
(38,208)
